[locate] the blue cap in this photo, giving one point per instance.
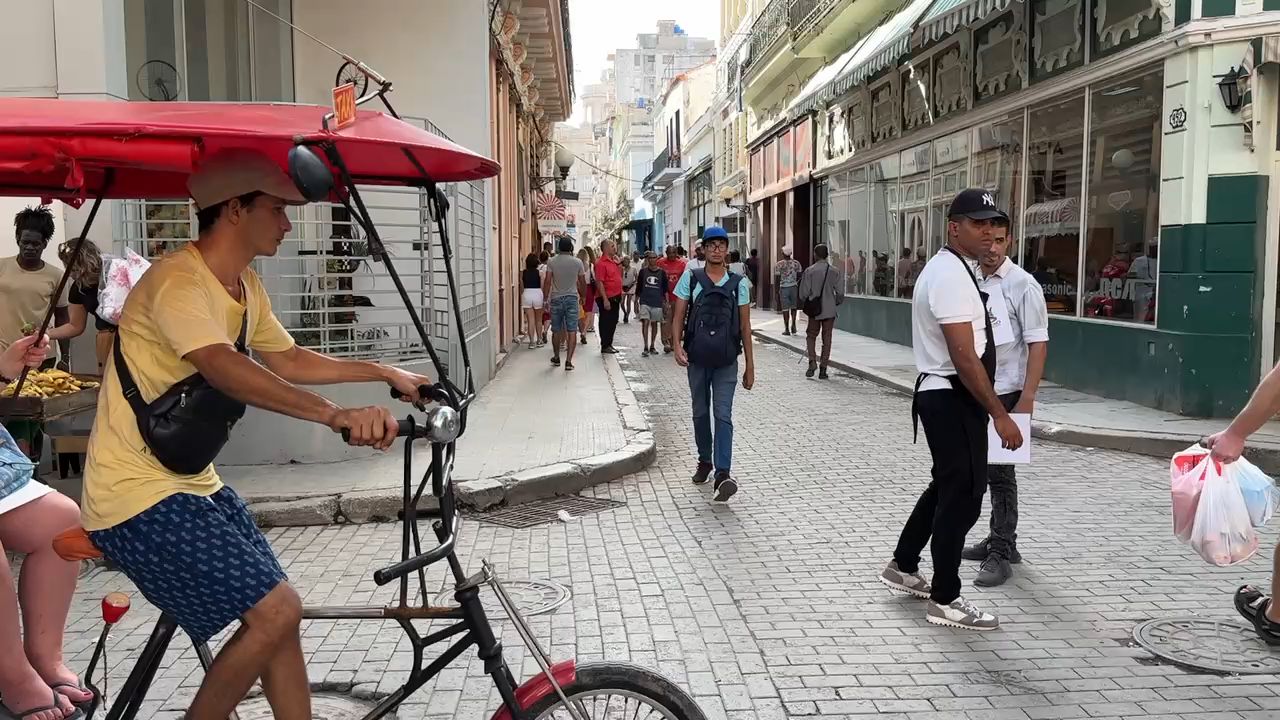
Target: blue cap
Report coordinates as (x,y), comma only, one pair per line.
(714,232)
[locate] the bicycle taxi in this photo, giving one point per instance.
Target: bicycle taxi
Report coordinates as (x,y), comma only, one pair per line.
(90,151)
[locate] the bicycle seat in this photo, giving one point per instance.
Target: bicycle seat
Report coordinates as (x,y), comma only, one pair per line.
(73,544)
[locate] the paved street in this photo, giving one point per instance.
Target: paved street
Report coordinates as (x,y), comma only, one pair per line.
(769,607)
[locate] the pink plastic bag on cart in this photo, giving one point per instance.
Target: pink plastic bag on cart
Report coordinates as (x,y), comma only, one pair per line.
(1187,475)
(1222,532)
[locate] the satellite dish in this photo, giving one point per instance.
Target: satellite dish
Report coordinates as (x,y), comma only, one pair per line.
(159,81)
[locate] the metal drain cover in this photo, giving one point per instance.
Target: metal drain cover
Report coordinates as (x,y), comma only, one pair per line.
(531,597)
(324,706)
(1213,645)
(527,515)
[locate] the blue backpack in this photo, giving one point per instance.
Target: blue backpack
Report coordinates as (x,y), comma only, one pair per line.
(712,334)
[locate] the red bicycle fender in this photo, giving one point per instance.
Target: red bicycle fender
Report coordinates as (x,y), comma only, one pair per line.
(536,688)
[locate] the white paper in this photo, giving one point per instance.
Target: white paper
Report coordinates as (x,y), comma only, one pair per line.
(997,455)
(1001,328)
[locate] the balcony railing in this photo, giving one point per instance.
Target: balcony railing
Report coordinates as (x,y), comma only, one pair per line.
(768,28)
(804,15)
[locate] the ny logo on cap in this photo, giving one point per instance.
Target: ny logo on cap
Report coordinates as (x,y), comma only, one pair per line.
(988,200)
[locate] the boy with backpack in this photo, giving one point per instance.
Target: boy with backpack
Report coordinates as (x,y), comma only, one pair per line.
(711,327)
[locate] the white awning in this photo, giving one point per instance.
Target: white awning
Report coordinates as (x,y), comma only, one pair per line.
(1052,217)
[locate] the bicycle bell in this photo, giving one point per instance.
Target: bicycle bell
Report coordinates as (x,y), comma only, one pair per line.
(443,424)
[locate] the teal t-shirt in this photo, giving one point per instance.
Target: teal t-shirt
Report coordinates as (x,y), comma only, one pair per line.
(686,280)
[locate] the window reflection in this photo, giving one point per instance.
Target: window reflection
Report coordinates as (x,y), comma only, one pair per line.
(1051,222)
(884,224)
(913,216)
(1124,184)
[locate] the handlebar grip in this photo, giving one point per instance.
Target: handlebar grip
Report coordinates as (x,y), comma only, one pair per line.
(428,393)
(402,430)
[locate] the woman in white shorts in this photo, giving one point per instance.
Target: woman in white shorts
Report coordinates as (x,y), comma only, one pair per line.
(36,684)
(630,272)
(531,300)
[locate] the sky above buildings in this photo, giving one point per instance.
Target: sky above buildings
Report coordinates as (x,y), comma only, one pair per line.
(600,27)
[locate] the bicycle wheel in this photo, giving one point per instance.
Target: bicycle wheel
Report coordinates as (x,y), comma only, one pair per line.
(608,690)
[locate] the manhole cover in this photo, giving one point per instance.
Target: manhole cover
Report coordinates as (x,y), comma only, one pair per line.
(323,707)
(531,597)
(1213,645)
(526,515)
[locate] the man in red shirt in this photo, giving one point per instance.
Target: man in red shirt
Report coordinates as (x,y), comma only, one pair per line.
(674,267)
(609,292)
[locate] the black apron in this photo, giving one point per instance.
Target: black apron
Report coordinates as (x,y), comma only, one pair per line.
(988,359)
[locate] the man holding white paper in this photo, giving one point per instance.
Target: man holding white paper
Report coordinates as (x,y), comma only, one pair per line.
(955,352)
(1020,325)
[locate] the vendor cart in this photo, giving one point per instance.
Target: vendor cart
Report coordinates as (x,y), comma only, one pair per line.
(66,448)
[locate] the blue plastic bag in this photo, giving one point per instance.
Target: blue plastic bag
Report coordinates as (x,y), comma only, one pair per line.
(16,469)
(1259,491)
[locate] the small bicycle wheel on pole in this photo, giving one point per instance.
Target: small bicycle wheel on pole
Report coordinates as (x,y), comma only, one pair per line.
(608,690)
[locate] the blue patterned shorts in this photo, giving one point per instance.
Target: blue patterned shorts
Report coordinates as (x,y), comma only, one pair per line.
(201,560)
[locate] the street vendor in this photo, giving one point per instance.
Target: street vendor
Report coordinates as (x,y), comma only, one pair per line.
(27,287)
(198,310)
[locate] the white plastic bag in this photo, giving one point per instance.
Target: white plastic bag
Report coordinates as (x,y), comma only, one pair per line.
(1222,533)
(1186,478)
(121,276)
(1258,489)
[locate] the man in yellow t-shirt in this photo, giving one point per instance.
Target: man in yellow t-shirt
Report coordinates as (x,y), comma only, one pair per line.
(187,541)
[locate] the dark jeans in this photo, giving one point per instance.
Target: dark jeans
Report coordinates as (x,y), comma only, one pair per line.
(609,320)
(711,390)
(956,430)
(1004,499)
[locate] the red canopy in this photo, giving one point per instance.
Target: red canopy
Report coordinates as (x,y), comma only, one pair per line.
(59,149)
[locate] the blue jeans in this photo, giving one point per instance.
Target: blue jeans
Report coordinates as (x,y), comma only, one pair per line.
(564,313)
(712,390)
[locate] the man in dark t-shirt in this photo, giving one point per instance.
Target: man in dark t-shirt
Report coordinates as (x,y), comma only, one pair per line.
(651,291)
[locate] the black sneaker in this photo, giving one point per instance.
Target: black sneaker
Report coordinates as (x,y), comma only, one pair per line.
(721,476)
(812,369)
(979,552)
(822,374)
(555,359)
(725,488)
(995,571)
(703,472)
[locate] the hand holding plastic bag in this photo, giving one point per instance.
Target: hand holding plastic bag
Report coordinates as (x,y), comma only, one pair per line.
(1222,532)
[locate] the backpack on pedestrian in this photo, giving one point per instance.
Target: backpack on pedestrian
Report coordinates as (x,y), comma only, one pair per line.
(712,334)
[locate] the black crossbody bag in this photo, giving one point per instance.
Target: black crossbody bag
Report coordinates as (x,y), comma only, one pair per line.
(188,425)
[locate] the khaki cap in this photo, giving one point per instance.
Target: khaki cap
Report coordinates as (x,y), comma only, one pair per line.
(229,174)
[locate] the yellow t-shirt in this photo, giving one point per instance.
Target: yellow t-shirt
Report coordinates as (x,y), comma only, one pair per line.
(24,298)
(177,307)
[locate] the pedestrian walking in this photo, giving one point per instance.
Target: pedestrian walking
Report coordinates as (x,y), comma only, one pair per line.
(712,327)
(630,271)
(753,274)
(699,259)
(587,323)
(531,300)
(786,277)
(951,337)
(653,287)
(543,257)
(608,278)
(674,267)
(563,288)
(1252,602)
(822,287)
(1020,328)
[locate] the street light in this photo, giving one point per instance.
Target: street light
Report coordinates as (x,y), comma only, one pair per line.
(564,160)
(1229,86)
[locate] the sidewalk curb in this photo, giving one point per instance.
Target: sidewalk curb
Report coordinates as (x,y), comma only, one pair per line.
(563,478)
(1160,445)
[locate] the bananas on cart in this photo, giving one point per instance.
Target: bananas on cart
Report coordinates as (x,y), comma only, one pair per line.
(49,383)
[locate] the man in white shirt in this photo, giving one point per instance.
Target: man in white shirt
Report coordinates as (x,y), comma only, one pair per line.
(1020,325)
(951,337)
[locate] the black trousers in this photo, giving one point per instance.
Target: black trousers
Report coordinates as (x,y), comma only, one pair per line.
(1004,499)
(609,320)
(956,430)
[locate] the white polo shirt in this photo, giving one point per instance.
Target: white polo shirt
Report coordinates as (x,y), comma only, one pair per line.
(945,293)
(1019,300)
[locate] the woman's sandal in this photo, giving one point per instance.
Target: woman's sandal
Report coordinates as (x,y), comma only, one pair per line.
(7,714)
(83,705)
(1252,605)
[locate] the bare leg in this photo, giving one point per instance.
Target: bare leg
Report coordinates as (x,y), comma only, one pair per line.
(557,339)
(46,585)
(285,683)
(1272,614)
(571,344)
(262,641)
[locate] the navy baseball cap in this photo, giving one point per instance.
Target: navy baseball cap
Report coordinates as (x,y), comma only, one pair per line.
(976,204)
(715,232)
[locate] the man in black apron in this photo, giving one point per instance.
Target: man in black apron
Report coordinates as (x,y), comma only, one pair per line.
(954,349)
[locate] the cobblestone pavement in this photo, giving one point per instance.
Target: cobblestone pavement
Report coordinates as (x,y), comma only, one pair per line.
(769,607)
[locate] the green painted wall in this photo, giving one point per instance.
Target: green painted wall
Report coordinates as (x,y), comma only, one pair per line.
(1182,11)
(1269,4)
(1201,361)
(1216,8)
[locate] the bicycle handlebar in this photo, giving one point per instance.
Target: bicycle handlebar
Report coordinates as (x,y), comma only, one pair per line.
(403,429)
(400,569)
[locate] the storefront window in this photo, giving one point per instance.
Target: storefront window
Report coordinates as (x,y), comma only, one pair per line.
(857,264)
(1124,184)
(997,167)
(885,232)
(950,176)
(1051,229)
(913,217)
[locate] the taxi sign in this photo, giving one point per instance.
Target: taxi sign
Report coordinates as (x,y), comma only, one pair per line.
(344,105)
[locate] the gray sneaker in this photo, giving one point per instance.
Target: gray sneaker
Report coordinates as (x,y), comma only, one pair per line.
(961,614)
(995,571)
(911,584)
